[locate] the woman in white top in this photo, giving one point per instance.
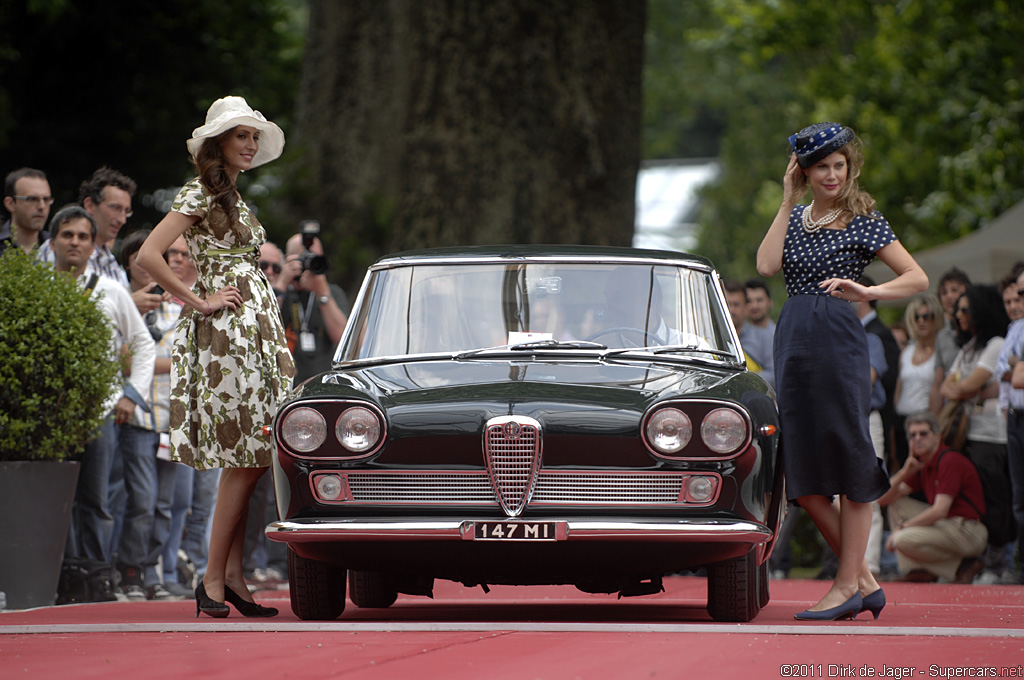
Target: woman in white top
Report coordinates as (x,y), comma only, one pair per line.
(982,322)
(923,319)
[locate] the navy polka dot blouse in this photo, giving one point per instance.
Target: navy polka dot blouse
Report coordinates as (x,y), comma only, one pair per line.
(809,259)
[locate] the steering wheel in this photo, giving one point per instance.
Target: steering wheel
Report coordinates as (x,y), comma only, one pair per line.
(623,330)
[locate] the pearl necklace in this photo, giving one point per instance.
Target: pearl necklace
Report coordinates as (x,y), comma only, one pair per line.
(811,225)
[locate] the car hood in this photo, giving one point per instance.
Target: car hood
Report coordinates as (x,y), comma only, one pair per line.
(534,388)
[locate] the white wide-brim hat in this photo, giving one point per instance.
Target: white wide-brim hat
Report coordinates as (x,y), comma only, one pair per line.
(229,112)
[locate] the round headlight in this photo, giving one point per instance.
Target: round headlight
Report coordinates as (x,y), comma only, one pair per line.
(723,430)
(669,430)
(358,429)
(304,430)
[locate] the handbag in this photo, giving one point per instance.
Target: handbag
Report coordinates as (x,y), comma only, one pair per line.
(954,421)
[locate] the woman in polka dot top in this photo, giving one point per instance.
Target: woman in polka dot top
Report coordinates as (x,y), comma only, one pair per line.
(821,355)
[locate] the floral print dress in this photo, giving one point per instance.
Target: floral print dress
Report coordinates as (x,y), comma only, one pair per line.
(231,370)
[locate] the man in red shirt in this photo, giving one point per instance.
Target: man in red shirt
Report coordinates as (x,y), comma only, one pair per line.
(932,539)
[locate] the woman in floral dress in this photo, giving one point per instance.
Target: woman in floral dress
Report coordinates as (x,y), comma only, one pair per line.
(231,367)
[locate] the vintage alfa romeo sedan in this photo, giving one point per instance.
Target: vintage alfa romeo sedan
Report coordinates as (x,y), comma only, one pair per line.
(531,415)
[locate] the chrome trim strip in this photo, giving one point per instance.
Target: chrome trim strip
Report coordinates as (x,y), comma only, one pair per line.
(545,259)
(708,531)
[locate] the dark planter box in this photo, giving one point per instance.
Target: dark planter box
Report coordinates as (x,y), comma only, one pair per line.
(35,504)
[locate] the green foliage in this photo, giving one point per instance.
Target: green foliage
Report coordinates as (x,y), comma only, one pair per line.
(933,88)
(56,369)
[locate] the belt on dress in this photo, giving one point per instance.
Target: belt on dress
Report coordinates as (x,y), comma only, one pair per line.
(230,251)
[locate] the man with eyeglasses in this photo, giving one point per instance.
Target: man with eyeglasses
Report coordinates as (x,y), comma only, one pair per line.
(271,262)
(107,196)
(27,200)
(940,539)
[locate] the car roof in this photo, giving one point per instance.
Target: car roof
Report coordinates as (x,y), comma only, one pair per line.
(574,252)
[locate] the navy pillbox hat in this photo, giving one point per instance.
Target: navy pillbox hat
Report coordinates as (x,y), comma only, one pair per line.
(817,141)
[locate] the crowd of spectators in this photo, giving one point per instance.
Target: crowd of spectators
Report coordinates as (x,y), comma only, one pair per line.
(134,508)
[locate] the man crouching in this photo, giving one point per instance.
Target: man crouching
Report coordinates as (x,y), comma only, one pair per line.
(932,539)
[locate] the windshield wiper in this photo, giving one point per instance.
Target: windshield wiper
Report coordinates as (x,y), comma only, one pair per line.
(536,344)
(693,348)
(557,344)
(661,349)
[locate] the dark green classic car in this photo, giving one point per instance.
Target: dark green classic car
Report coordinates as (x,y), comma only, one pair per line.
(531,415)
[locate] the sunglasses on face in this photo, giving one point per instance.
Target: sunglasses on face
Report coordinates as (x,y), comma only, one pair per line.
(927,316)
(918,435)
(963,310)
(266,264)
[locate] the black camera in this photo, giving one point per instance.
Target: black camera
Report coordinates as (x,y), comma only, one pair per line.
(311,262)
(150,316)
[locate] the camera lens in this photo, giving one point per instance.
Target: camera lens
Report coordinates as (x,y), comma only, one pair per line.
(317,264)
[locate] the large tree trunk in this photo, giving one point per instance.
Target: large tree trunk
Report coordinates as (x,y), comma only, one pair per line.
(456,122)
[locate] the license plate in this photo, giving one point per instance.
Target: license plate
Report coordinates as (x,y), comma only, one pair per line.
(514,531)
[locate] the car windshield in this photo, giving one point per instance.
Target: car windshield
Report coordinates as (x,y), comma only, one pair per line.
(454,308)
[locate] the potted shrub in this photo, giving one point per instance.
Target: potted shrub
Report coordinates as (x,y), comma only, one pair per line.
(56,371)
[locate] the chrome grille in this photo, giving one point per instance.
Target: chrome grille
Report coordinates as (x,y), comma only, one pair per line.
(638,489)
(402,487)
(557,487)
(512,455)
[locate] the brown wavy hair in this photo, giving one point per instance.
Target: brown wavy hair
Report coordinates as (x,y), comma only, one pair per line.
(211,168)
(852,199)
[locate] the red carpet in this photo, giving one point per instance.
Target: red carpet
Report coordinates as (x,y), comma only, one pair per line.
(530,632)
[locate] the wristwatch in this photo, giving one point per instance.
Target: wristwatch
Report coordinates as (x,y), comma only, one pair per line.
(323,299)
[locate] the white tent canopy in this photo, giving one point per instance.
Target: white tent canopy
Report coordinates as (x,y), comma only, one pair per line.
(986,255)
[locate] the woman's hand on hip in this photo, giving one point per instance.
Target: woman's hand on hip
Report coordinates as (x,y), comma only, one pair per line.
(845,289)
(227,297)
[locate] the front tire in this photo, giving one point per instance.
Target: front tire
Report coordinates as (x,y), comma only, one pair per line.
(763,594)
(732,589)
(371,589)
(317,589)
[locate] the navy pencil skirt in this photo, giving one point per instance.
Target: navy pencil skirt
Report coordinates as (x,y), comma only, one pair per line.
(823,378)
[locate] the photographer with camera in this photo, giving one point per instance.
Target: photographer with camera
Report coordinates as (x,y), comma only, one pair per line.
(312,310)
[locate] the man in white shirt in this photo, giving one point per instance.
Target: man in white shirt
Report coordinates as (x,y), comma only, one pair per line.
(92,536)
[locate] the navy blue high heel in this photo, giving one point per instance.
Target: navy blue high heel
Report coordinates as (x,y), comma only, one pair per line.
(874,603)
(847,610)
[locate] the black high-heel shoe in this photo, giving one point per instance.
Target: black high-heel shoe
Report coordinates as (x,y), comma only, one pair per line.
(246,608)
(847,610)
(210,607)
(874,603)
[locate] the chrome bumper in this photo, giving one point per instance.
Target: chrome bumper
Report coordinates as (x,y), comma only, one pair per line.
(696,531)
